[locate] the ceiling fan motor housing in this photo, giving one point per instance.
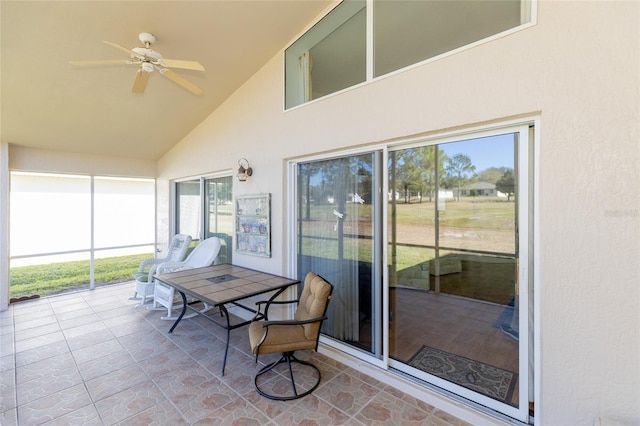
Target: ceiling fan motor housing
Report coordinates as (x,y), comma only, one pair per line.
(146,67)
(147,55)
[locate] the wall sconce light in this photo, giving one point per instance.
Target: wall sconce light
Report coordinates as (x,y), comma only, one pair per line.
(244,171)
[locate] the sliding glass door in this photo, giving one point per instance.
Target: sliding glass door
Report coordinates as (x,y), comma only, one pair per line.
(441,236)
(218,222)
(456,236)
(204,208)
(336,238)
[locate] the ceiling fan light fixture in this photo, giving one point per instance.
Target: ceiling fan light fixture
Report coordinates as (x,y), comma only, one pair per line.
(146,67)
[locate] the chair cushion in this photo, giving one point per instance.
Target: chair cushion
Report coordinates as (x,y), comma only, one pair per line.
(143,278)
(313,302)
(280,338)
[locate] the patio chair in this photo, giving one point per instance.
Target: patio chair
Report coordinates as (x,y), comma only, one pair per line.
(144,286)
(202,255)
(288,336)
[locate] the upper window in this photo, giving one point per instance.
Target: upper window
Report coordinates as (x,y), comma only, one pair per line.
(329,57)
(333,54)
(408,32)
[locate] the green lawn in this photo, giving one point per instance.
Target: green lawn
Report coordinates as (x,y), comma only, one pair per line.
(469,212)
(45,280)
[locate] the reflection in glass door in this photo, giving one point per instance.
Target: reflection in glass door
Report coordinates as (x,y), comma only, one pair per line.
(335,236)
(218,221)
(454,250)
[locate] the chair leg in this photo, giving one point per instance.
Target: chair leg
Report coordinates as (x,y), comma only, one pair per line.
(135,296)
(293,382)
(289,358)
(143,299)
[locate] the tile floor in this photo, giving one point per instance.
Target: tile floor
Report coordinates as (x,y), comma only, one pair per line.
(90,358)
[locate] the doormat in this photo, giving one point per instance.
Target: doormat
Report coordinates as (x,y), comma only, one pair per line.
(486,379)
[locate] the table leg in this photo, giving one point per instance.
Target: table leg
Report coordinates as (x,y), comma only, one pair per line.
(224,312)
(184,309)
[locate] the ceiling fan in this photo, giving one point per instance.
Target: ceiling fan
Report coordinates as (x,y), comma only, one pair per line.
(149,60)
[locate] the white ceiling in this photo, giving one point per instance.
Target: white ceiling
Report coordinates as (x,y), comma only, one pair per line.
(48,104)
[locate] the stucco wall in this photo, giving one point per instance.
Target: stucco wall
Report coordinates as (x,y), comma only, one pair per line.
(578,70)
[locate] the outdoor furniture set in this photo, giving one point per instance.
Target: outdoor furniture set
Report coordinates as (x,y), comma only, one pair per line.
(221,286)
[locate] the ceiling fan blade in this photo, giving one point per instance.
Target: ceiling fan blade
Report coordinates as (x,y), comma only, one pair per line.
(186,65)
(140,83)
(117,46)
(99,63)
(180,80)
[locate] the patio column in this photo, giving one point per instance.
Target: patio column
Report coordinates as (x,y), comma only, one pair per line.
(4,226)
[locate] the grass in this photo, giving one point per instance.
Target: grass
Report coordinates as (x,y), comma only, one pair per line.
(469,212)
(53,278)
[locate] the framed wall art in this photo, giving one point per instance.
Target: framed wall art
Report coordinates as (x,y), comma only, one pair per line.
(253,224)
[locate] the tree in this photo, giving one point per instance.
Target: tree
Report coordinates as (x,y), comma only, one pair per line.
(492,174)
(408,172)
(415,171)
(507,184)
(459,168)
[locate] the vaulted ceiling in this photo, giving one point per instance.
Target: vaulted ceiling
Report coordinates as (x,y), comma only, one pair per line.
(46,103)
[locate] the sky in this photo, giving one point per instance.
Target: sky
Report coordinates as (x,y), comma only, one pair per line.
(492,151)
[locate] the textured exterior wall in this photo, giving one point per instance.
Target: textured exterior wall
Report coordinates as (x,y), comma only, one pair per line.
(577,70)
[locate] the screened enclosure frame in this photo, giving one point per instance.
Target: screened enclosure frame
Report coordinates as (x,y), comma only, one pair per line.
(93,247)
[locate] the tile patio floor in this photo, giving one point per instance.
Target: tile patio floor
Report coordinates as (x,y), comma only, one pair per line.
(90,358)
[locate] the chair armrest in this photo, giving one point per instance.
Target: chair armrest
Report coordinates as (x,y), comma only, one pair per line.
(152,272)
(293,322)
(167,267)
(276,302)
(269,303)
(145,263)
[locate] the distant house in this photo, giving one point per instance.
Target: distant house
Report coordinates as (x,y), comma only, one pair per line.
(479,189)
